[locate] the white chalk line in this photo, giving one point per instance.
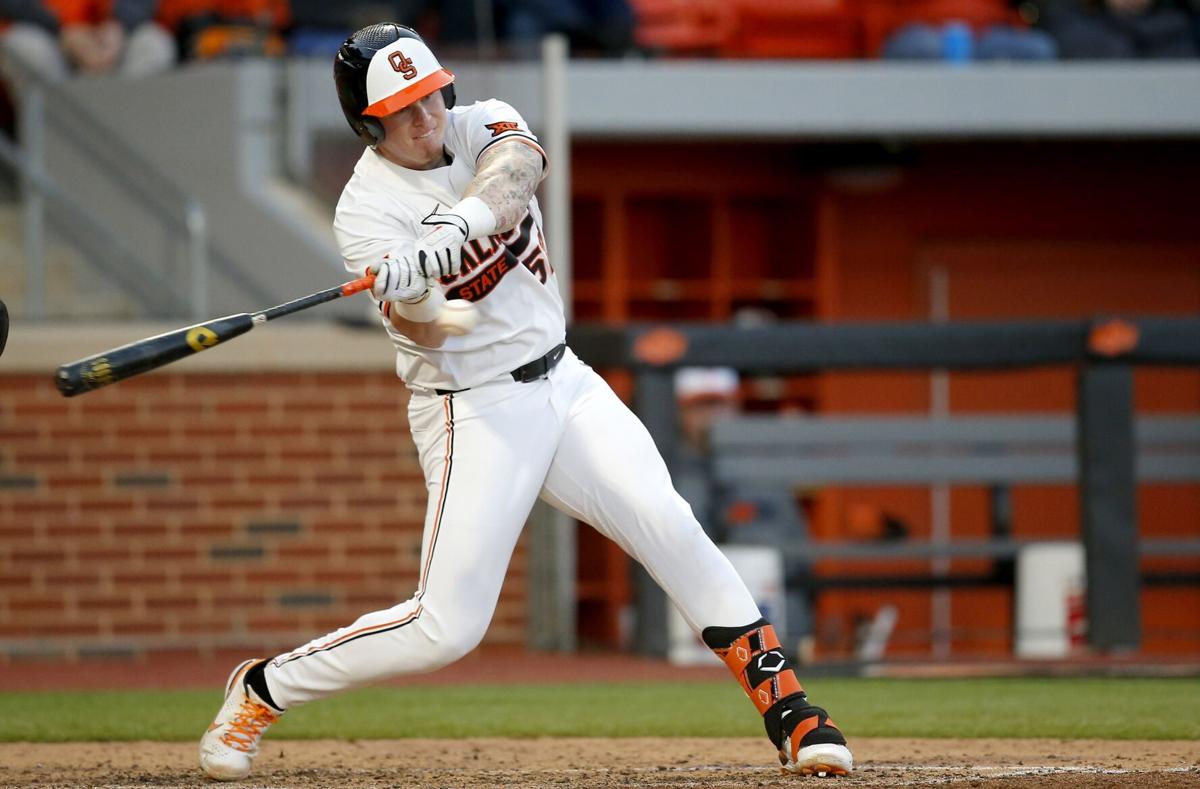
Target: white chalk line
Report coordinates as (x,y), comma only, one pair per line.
(992,770)
(1006,771)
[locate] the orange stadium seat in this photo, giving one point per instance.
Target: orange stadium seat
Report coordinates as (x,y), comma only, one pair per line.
(272,13)
(226,28)
(794,29)
(798,28)
(682,27)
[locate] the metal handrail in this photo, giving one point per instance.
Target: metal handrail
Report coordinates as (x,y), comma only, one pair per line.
(182,215)
(147,286)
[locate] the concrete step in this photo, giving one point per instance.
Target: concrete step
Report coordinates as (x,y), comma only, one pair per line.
(74,289)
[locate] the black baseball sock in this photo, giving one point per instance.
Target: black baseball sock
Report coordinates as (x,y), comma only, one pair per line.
(256,680)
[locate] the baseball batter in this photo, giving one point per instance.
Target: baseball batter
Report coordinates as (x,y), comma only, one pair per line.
(441,206)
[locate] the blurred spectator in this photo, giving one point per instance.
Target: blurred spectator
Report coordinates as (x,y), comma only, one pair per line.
(208,29)
(469,24)
(318,27)
(958,42)
(598,27)
(595,27)
(702,395)
(58,38)
(1105,29)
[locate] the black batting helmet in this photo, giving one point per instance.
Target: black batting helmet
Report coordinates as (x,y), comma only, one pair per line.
(382,69)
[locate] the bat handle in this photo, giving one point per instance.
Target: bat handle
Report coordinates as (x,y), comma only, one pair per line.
(362,283)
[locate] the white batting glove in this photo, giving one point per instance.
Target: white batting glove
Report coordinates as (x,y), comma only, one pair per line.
(398,279)
(439,251)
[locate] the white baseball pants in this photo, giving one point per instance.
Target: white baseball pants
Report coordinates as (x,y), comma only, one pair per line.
(488,453)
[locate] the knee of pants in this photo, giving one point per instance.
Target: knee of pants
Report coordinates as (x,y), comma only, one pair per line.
(673,513)
(667,520)
(452,640)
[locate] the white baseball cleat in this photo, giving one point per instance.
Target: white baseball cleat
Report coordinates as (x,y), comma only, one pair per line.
(813,744)
(228,748)
(824,760)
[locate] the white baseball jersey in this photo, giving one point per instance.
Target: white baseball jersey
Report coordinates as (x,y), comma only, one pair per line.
(508,276)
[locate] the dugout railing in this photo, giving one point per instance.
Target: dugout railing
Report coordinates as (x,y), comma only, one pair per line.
(1102,351)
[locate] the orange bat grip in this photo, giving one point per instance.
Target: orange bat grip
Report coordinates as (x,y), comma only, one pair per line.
(362,283)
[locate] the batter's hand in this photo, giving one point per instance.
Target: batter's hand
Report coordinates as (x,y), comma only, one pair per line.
(397,279)
(439,252)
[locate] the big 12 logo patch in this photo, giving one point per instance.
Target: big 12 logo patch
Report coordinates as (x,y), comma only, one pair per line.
(499,127)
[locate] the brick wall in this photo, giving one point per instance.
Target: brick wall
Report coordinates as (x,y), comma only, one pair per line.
(205,511)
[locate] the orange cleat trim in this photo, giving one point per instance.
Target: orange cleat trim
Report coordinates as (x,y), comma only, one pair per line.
(248,725)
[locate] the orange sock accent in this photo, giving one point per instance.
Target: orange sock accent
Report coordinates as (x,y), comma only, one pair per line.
(747,658)
(803,728)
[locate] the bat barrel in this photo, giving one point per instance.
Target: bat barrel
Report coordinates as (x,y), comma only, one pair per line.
(142,356)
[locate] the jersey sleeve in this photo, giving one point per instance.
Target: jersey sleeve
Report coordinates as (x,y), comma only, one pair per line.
(487,123)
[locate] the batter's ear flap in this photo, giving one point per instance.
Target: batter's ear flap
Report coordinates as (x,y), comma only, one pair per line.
(373,128)
(350,77)
(448,95)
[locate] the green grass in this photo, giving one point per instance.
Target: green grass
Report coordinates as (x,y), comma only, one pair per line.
(1060,708)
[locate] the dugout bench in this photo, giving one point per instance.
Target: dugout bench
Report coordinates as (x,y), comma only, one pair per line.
(756,452)
(767,458)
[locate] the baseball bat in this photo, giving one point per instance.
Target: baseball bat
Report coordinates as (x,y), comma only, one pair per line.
(139,357)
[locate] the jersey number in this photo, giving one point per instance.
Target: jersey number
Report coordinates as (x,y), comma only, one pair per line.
(484,266)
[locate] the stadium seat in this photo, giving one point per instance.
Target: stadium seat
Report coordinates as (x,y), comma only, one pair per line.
(681,27)
(794,29)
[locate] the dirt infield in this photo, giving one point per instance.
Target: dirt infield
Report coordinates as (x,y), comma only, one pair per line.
(608,763)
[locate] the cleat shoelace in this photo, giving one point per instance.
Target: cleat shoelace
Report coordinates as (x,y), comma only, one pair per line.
(246,728)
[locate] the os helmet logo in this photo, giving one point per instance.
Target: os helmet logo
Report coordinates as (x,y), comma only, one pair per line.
(402,65)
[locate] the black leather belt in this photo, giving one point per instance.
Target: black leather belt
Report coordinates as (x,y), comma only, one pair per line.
(536,369)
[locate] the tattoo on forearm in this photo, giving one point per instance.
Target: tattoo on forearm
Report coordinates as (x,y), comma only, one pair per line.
(505,179)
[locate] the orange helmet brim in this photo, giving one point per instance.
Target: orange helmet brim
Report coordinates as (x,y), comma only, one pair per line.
(401,99)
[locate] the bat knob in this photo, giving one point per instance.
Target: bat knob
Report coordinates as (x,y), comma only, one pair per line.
(62,379)
(71,382)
